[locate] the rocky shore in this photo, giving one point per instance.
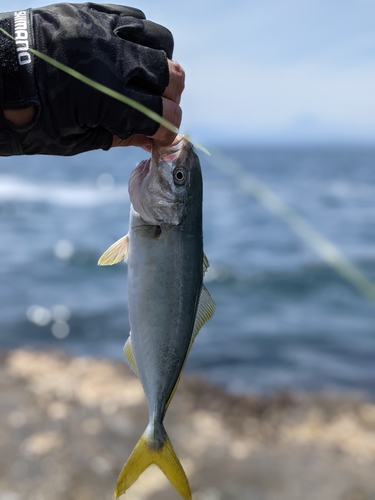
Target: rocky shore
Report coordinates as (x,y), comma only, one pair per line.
(67,425)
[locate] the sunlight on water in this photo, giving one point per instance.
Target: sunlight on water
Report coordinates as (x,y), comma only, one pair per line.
(60,312)
(60,329)
(64,249)
(39,315)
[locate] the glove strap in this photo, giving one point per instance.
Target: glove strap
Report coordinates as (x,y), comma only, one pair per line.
(19,85)
(17,73)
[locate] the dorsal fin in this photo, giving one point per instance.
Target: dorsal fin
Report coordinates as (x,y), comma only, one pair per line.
(205,311)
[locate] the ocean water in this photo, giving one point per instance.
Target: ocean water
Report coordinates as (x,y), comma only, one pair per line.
(284,320)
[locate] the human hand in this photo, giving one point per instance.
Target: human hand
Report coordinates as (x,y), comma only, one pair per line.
(171,112)
(113,45)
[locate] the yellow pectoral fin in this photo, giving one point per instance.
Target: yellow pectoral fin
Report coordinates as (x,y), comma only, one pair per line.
(165,458)
(116,252)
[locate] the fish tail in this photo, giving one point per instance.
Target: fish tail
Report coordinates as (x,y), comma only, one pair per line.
(159,451)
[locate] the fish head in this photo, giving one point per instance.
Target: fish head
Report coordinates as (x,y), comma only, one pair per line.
(160,188)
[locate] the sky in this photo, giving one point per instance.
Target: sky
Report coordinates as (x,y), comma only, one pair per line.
(271,71)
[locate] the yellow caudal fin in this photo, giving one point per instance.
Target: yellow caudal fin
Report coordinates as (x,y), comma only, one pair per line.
(164,457)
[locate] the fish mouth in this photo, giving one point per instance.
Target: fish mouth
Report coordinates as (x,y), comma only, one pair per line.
(171,153)
(151,188)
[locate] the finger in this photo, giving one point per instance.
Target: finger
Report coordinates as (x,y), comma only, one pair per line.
(162,137)
(139,67)
(146,33)
(140,141)
(118,10)
(176,82)
(173,113)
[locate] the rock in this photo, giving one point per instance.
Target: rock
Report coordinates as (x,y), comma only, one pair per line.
(67,425)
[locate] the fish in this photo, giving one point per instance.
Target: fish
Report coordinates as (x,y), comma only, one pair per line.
(167,301)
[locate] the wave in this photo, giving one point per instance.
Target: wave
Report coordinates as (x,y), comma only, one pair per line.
(15,189)
(308,278)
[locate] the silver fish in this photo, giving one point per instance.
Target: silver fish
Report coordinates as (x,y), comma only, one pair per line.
(168,304)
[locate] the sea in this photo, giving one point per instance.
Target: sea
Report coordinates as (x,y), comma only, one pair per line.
(285,320)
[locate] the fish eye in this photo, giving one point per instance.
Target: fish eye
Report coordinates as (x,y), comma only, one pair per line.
(179,176)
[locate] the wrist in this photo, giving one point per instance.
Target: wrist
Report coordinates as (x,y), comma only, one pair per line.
(20,117)
(16,62)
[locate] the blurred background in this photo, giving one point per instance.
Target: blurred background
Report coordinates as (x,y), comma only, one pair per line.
(286,91)
(282,94)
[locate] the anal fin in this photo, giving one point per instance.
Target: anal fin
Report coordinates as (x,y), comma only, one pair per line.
(129,358)
(206,264)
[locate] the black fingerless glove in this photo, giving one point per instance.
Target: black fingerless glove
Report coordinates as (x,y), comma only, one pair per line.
(115,46)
